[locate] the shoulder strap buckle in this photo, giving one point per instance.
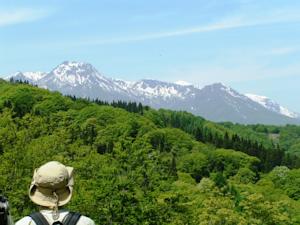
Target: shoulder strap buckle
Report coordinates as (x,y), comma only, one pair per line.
(70,219)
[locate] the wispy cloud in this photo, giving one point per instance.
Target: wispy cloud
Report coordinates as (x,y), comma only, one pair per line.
(237,21)
(23,15)
(202,75)
(284,51)
(174,33)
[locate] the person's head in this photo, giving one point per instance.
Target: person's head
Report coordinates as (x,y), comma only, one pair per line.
(52,185)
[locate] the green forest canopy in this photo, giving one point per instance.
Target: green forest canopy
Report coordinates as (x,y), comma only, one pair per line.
(137,165)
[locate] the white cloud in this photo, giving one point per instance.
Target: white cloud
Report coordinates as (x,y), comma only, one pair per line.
(17,16)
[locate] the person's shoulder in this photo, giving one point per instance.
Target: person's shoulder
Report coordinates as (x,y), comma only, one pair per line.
(84,220)
(25,221)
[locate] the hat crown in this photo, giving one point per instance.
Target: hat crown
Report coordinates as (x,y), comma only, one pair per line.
(53,175)
(52,185)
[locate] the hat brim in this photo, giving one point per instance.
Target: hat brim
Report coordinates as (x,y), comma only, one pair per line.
(45,197)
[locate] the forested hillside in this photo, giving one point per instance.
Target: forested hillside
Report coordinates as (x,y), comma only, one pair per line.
(285,137)
(136,165)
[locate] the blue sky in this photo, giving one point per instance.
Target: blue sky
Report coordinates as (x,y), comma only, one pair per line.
(250,45)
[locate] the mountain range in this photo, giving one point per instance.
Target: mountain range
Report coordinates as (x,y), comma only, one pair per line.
(216,102)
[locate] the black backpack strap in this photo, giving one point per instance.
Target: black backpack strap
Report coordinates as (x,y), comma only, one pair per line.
(71,219)
(39,219)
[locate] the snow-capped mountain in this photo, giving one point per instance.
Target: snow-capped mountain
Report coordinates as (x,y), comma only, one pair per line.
(221,103)
(272,105)
(29,76)
(35,76)
(215,102)
(83,80)
(158,89)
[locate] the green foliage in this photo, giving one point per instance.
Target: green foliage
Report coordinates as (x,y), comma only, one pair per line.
(230,162)
(196,164)
(287,180)
(52,104)
(136,165)
(287,137)
(290,138)
(219,135)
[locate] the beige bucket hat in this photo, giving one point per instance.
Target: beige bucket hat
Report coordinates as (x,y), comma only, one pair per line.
(52,185)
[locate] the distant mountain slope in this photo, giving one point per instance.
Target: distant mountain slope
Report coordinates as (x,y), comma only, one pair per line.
(215,102)
(272,105)
(225,104)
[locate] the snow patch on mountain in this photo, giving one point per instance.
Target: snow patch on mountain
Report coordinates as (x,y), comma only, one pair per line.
(272,105)
(74,73)
(34,76)
(27,76)
(153,88)
(123,84)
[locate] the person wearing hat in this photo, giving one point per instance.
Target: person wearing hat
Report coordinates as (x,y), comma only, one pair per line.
(51,188)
